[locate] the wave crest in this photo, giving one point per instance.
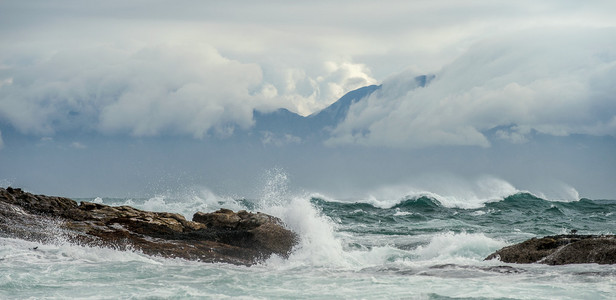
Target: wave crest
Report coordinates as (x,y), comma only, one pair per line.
(451,193)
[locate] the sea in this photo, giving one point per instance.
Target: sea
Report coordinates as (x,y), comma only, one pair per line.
(384,245)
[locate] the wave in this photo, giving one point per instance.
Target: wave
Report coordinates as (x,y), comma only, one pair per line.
(420,202)
(450,193)
(21,252)
(425,203)
(447,191)
(359,232)
(449,245)
(453,192)
(413,234)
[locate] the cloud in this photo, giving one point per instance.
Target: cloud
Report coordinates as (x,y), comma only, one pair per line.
(308,90)
(163,68)
(553,81)
(164,89)
(1,141)
(185,90)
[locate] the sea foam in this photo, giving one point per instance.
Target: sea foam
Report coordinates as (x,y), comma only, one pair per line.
(449,245)
(450,193)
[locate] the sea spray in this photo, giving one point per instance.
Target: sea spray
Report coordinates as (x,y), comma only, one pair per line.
(560,192)
(320,245)
(448,191)
(317,245)
(417,248)
(185,202)
(449,245)
(275,190)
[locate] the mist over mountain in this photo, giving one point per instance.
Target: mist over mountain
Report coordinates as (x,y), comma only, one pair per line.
(86,163)
(314,127)
(318,126)
(514,109)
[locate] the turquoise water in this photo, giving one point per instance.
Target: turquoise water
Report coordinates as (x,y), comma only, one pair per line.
(415,246)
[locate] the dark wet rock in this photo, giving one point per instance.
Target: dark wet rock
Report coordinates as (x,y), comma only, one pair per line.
(561,250)
(222,236)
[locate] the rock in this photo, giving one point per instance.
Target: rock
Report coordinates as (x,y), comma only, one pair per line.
(223,236)
(265,233)
(561,250)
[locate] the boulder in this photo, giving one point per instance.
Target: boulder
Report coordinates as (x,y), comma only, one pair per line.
(561,250)
(243,238)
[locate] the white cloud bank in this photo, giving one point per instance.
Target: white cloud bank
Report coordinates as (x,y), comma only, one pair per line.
(146,92)
(557,82)
(196,68)
(165,89)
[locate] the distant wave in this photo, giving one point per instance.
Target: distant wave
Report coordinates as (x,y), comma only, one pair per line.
(430,201)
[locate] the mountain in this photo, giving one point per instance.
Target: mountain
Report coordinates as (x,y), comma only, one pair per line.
(284,123)
(337,112)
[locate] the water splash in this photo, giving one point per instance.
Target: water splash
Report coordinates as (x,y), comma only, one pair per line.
(186,202)
(559,191)
(275,190)
(449,245)
(318,245)
(449,191)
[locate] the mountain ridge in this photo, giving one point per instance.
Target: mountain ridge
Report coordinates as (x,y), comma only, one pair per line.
(284,122)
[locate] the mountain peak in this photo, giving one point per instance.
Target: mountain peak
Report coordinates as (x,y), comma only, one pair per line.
(338,110)
(283,121)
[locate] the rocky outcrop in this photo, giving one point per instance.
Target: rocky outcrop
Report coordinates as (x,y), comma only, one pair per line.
(561,250)
(223,236)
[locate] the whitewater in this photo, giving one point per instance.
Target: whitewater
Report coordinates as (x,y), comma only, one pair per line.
(394,243)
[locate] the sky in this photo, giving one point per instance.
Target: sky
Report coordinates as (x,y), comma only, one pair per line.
(198,70)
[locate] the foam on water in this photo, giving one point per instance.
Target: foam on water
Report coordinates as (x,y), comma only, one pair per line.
(68,271)
(454,192)
(560,192)
(449,245)
(318,245)
(442,258)
(402,213)
(61,251)
(321,246)
(448,191)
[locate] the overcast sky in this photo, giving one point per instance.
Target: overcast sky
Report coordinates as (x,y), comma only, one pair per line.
(521,88)
(147,68)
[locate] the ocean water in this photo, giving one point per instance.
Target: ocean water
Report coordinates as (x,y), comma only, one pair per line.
(386,245)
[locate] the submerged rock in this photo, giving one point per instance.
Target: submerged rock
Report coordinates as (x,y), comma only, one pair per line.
(223,236)
(561,250)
